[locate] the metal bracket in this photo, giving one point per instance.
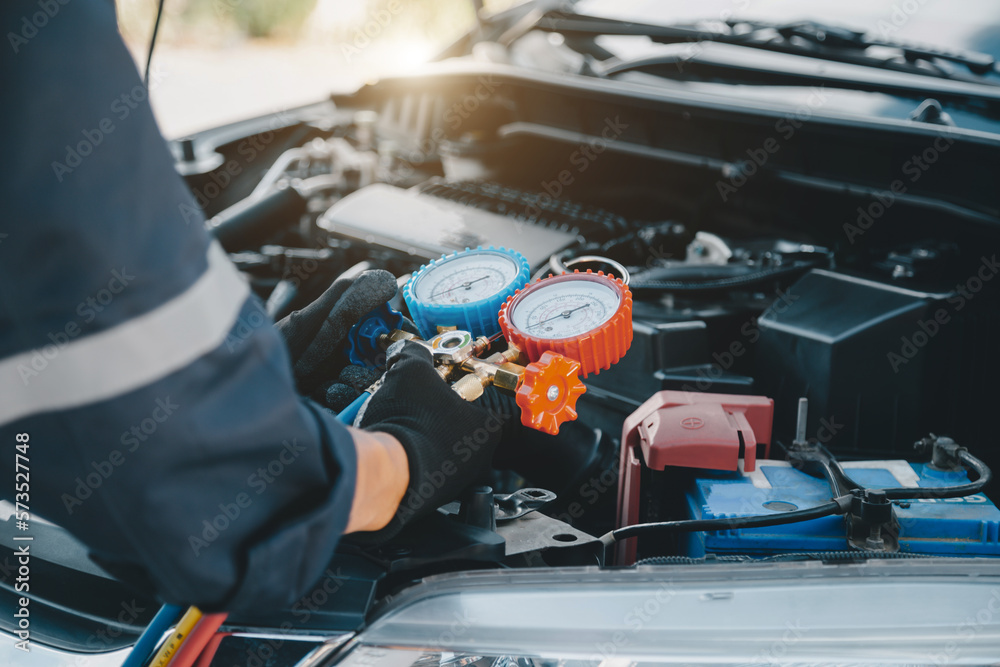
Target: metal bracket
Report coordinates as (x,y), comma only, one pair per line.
(515,505)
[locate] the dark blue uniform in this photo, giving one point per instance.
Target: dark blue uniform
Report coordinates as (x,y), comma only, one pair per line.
(165,430)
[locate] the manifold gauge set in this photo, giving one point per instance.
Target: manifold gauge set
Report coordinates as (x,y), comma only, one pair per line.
(486,324)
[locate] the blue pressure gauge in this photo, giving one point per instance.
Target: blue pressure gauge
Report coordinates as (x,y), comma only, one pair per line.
(465,290)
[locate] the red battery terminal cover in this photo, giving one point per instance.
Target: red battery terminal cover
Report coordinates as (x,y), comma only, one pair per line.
(689,430)
(694,430)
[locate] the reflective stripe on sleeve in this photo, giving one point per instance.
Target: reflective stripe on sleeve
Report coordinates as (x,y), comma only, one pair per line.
(130,355)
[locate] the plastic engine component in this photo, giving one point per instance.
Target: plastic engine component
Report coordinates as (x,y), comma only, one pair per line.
(968,526)
(690,430)
(821,349)
(425,227)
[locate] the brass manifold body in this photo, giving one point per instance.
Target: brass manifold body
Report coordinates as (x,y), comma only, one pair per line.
(457,360)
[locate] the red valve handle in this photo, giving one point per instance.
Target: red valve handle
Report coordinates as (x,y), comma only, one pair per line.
(549,392)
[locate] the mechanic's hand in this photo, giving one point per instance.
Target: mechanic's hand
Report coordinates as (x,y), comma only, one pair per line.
(449,442)
(316,335)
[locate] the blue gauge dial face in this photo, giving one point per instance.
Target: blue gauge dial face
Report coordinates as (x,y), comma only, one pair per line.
(565,308)
(465,279)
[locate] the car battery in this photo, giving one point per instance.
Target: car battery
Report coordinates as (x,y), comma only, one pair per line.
(967,526)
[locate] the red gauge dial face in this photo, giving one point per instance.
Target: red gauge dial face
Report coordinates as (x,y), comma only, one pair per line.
(565,308)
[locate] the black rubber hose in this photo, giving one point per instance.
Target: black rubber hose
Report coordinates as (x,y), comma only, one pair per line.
(152,42)
(971,464)
(252,222)
(837,506)
(745,280)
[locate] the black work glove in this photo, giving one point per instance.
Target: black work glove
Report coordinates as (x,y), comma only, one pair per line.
(449,442)
(317,335)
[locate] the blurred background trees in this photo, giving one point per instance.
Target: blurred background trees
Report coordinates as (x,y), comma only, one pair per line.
(295,20)
(218,61)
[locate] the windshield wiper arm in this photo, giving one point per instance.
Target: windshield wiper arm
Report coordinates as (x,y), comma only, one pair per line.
(802,38)
(834,36)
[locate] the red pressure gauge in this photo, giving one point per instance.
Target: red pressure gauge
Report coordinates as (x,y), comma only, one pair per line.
(568,326)
(583,316)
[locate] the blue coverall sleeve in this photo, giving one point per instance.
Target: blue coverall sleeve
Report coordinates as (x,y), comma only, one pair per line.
(166,432)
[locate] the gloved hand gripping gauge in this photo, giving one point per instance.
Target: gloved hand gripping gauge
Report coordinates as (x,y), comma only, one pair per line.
(465,290)
(575,323)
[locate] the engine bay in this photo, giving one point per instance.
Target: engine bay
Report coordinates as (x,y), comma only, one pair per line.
(811,366)
(720,297)
(807,373)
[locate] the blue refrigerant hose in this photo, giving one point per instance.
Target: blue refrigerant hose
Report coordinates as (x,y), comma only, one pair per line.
(169,613)
(350,413)
(166,617)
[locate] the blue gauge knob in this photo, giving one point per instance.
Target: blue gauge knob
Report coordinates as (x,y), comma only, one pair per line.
(465,290)
(363,339)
